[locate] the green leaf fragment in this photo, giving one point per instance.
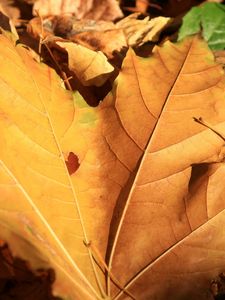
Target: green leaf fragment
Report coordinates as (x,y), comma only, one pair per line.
(209,17)
(191,23)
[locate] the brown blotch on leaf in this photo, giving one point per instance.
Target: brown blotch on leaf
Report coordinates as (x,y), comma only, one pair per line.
(72,163)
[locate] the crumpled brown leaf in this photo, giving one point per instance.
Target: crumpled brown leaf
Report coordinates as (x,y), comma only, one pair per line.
(92,9)
(91,68)
(101,35)
(130,31)
(138,32)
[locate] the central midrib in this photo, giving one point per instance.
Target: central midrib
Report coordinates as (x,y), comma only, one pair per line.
(140,163)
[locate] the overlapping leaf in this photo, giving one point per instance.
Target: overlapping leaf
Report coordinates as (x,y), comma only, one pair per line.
(210,17)
(92,9)
(92,68)
(38,201)
(145,190)
(176,188)
(101,35)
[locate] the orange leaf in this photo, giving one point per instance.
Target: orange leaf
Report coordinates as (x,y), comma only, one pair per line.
(92,68)
(145,205)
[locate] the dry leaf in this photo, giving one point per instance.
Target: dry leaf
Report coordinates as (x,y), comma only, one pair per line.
(100,35)
(91,68)
(91,9)
(165,225)
(9,9)
(138,32)
(136,178)
(41,222)
(220,56)
(7,16)
(142,5)
(130,31)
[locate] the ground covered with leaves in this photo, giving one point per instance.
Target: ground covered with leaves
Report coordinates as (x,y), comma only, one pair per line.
(112,124)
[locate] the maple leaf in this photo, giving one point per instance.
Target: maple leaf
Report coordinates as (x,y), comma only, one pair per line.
(134,183)
(41,216)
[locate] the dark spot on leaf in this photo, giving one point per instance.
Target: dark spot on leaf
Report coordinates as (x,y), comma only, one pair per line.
(72,163)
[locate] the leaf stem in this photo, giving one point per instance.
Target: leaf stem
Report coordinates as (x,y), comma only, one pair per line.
(203,123)
(73,193)
(63,75)
(96,254)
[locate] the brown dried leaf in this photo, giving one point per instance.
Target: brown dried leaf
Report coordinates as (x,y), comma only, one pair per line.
(10,10)
(142,5)
(138,32)
(172,216)
(146,196)
(130,31)
(101,35)
(220,56)
(91,9)
(8,16)
(91,68)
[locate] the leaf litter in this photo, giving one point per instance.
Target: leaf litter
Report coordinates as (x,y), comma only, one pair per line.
(123,191)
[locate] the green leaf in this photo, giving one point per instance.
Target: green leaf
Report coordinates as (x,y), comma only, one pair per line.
(211,18)
(191,23)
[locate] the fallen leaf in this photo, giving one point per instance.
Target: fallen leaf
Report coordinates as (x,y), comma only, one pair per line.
(8,8)
(91,68)
(165,226)
(138,32)
(109,41)
(91,9)
(142,6)
(6,18)
(39,216)
(211,18)
(102,35)
(147,198)
(220,56)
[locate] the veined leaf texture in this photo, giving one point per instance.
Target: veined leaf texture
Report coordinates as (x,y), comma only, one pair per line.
(139,214)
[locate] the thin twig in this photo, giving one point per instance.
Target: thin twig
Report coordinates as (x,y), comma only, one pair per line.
(63,74)
(97,255)
(203,123)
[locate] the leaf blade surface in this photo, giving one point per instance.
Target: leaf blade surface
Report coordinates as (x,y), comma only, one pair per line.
(42,113)
(160,207)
